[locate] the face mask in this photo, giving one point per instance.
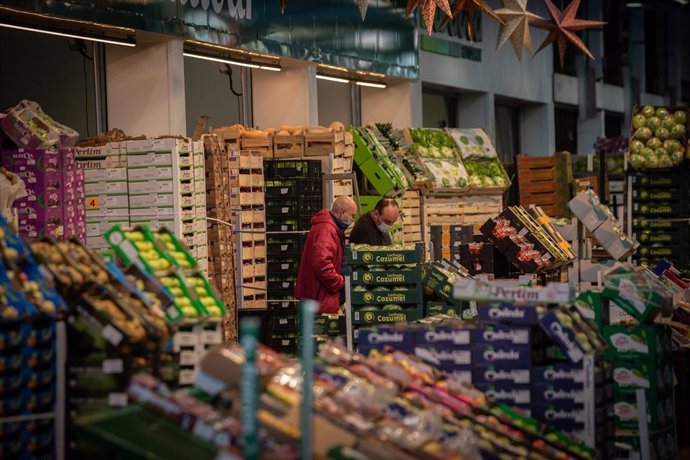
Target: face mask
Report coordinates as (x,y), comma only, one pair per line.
(384,227)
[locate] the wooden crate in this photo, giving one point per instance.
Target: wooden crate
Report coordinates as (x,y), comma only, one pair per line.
(342,188)
(288,146)
(410,204)
(324,144)
(229,134)
(263,146)
(545,182)
(460,210)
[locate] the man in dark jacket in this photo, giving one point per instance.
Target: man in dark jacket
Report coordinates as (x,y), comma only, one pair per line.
(320,270)
(372,228)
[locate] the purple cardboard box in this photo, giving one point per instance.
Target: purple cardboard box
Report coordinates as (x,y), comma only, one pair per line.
(445,358)
(33,231)
(497,375)
(514,395)
(442,336)
(36,179)
(41,160)
(42,216)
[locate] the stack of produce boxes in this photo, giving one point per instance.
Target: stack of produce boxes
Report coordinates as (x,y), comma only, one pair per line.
(439,277)
(293,195)
(247,199)
(546,182)
(105,175)
(221,271)
(167,189)
(385,285)
(660,209)
(28,344)
(642,358)
(54,205)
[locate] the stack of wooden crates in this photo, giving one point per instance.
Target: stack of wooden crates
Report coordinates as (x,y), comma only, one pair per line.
(546,182)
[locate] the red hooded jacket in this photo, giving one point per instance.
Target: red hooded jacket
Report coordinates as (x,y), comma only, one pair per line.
(319,277)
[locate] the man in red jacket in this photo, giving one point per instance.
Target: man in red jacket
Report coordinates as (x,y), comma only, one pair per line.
(320,270)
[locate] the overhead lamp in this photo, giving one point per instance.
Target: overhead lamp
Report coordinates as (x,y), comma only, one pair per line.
(371,84)
(329,78)
(230,56)
(12,18)
(634,5)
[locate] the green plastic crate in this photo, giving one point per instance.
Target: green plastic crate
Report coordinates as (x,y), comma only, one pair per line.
(385,256)
(387,316)
(413,295)
(135,433)
(377,176)
(387,277)
(362,151)
(368,202)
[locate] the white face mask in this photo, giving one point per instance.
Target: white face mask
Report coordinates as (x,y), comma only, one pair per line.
(384,227)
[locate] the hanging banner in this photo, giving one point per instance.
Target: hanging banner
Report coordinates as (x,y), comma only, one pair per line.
(324,31)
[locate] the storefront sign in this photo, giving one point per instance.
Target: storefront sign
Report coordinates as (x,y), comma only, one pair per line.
(326,31)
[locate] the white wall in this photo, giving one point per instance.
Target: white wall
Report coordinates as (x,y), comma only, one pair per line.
(42,68)
(400,104)
(146,90)
(334,101)
(207,92)
(285,98)
(433,110)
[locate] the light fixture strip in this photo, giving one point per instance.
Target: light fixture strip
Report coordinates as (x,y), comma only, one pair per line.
(124,42)
(229,60)
(329,78)
(371,84)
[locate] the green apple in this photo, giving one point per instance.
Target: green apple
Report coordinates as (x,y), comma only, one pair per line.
(672,145)
(636,161)
(678,131)
(654,143)
(668,122)
(648,111)
(661,112)
(636,146)
(647,152)
(639,121)
(643,133)
(663,133)
(653,123)
(680,116)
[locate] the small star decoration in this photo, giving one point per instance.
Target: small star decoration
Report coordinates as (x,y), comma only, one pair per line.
(516,20)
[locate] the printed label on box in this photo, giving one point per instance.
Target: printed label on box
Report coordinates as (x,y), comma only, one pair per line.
(440,336)
(502,335)
(519,356)
(493,375)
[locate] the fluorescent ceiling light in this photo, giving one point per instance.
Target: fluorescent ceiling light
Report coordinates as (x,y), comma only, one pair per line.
(336,79)
(371,85)
(217,59)
(634,5)
(111,41)
(271,67)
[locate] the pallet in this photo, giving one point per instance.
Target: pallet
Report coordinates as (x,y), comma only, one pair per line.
(288,146)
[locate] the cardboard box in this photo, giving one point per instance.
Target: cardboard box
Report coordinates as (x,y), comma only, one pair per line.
(495,375)
(644,342)
(501,355)
(502,335)
(381,337)
(150,173)
(104,187)
(507,394)
(152,200)
(150,186)
(651,373)
(440,336)
(445,358)
(518,315)
(105,175)
(561,375)
(589,212)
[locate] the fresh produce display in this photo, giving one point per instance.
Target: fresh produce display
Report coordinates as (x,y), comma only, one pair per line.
(432,143)
(389,404)
(659,138)
(447,174)
(176,250)
(486,173)
(28,126)
(380,167)
(473,143)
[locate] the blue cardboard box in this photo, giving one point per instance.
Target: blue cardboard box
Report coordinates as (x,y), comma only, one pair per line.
(507,313)
(502,335)
(561,397)
(496,375)
(567,419)
(463,375)
(513,395)
(445,359)
(381,337)
(563,375)
(443,336)
(502,355)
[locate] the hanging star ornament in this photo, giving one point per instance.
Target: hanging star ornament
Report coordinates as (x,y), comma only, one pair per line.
(363,5)
(563,27)
(283,6)
(516,20)
(470,7)
(428,10)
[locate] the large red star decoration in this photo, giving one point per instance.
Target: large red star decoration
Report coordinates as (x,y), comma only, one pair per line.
(469,7)
(563,27)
